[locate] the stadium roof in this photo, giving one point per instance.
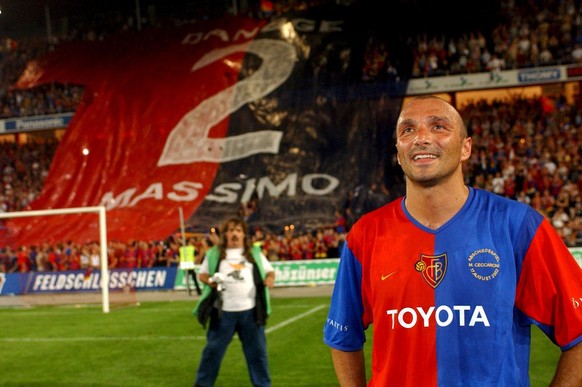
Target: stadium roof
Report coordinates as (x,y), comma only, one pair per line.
(24,17)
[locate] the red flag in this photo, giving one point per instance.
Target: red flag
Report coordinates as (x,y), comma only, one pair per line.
(154,103)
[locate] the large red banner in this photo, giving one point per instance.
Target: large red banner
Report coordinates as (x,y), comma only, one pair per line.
(214,117)
(150,133)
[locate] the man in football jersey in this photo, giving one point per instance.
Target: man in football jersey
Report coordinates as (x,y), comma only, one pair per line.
(452,277)
(242,276)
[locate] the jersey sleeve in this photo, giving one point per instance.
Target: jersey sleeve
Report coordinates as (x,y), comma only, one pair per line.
(267,266)
(343,329)
(549,291)
(204,267)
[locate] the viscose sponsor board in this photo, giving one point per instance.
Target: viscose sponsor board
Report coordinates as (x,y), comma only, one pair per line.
(492,80)
(82,281)
(300,273)
(35,123)
(287,273)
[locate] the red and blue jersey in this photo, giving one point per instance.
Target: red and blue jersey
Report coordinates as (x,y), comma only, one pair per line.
(454,306)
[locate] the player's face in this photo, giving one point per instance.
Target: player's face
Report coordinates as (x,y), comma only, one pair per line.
(235,236)
(431,147)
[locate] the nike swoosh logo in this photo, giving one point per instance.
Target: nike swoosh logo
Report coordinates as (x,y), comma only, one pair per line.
(383,277)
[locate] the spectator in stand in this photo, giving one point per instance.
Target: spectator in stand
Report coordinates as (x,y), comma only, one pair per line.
(32,253)
(523,198)
(285,248)
(22,260)
(95,256)
(339,222)
(548,202)
(571,232)
(145,255)
(509,187)
(307,245)
(577,53)
(271,247)
(563,200)
(537,204)
(85,258)
(495,64)
(296,249)
(54,259)
(173,253)
(41,259)
(332,240)
(560,219)
(320,245)
(498,184)
(7,259)
(117,255)
(129,257)
(161,259)
(74,259)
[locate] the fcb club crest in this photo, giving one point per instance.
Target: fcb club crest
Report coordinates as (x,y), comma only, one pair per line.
(433,268)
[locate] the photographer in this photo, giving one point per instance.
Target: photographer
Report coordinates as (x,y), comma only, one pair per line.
(237,278)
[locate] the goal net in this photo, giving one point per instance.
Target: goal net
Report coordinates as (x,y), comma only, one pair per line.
(85,282)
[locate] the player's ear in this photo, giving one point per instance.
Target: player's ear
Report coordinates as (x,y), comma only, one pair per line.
(397,155)
(466,150)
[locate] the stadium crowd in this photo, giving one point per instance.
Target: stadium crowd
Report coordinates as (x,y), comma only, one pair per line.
(528,34)
(529,149)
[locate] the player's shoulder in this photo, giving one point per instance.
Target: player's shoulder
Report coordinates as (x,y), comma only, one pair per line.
(496,200)
(381,214)
(502,206)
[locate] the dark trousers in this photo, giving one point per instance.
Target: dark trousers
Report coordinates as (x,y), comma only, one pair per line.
(192,274)
(219,336)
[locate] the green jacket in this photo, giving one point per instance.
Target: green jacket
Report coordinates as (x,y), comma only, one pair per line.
(213,254)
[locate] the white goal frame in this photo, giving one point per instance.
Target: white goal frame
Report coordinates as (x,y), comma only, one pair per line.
(100,210)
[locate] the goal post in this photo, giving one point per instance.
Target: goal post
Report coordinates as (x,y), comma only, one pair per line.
(100,210)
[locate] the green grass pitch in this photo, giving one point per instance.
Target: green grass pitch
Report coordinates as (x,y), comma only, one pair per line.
(159,344)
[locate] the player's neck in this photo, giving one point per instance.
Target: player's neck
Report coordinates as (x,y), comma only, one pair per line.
(434,206)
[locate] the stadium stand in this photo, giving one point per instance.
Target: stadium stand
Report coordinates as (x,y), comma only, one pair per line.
(529,148)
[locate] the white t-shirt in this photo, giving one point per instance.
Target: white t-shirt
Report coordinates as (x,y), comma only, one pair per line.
(239,288)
